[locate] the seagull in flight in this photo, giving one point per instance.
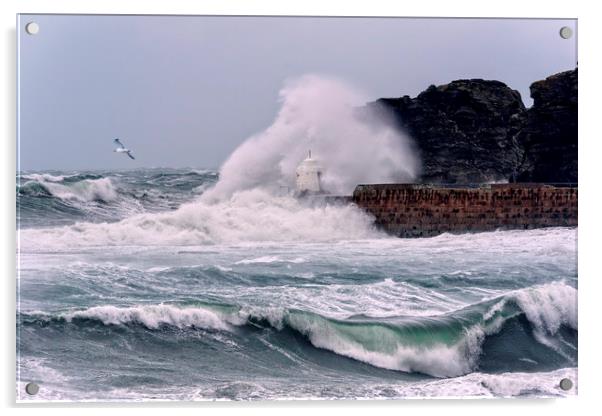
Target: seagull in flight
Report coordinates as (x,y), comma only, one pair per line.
(121,149)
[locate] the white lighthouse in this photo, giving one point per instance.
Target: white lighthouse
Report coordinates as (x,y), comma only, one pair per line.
(308,176)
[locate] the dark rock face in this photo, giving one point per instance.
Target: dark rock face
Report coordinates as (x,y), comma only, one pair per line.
(472,131)
(549,136)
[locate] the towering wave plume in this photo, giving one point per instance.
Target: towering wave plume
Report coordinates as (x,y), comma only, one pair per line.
(319,113)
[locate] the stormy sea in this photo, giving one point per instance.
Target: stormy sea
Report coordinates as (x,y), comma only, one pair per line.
(140,285)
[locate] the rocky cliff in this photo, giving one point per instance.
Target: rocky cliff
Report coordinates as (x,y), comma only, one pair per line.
(549,135)
(475,130)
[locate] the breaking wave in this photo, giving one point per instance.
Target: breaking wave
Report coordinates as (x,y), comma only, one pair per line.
(319,113)
(46,199)
(445,345)
(245,204)
(83,188)
(253,215)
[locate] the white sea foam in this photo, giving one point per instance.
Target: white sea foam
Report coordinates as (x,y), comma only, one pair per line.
(264,259)
(253,215)
(270,259)
(157,269)
(482,385)
(381,299)
(153,316)
(44,177)
(548,306)
(54,385)
(515,384)
(87,190)
(541,384)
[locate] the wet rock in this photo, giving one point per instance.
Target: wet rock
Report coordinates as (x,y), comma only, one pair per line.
(549,135)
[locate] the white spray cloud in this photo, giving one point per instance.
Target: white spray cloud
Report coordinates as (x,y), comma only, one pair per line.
(245,205)
(319,113)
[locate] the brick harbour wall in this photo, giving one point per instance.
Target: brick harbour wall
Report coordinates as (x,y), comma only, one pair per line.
(409,210)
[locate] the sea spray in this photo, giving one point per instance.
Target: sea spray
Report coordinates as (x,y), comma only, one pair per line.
(251,215)
(319,113)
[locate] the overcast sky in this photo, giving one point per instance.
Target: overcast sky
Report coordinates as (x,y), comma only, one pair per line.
(185,91)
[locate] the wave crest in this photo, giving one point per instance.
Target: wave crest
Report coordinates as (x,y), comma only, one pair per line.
(66,188)
(446,345)
(153,316)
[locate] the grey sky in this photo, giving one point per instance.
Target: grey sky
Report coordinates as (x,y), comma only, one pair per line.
(185,91)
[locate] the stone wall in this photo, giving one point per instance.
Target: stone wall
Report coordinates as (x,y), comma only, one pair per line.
(409,210)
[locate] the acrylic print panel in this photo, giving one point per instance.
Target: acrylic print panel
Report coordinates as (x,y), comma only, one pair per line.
(296,207)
